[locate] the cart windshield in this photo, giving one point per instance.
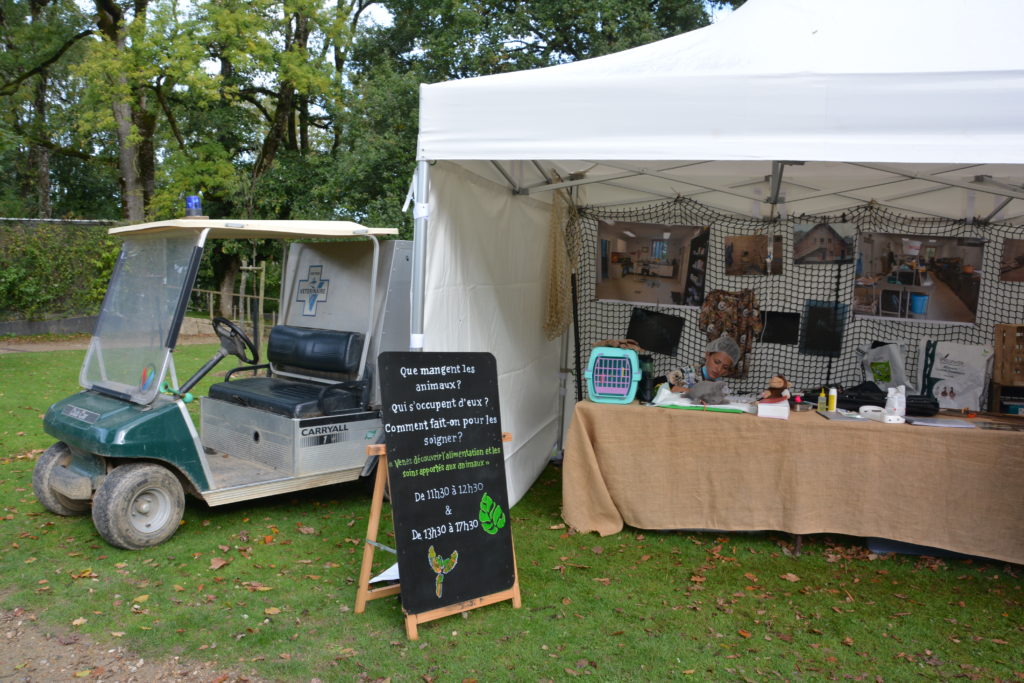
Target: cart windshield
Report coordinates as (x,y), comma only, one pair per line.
(138,324)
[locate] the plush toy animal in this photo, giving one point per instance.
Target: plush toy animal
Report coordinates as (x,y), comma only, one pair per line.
(778,388)
(708,393)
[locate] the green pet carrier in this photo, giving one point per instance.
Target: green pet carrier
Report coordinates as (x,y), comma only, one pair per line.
(612,375)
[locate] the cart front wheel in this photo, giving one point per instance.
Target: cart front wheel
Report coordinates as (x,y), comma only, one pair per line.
(138,506)
(57,455)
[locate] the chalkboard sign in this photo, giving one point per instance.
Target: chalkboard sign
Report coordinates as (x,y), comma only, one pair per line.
(446,470)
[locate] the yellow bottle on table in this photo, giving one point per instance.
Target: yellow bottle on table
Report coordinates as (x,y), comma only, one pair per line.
(833,396)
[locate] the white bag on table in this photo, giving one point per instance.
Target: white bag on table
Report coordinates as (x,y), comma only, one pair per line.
(954,374)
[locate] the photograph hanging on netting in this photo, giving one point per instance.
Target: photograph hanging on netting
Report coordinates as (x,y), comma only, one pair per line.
(918,277)
(1011,266)
(823,243)
(650,263)
(749,255)
(823,324)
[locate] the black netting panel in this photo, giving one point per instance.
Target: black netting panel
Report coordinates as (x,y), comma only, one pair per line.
(788,292)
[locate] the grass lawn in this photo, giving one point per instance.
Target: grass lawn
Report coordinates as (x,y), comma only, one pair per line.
(269,587)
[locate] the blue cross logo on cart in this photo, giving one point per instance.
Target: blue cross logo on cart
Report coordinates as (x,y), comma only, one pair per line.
(312,290)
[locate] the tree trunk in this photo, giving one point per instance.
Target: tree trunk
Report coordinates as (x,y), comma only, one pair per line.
(282,128)
(304,125)
(39,158)
(145,124)
(227,285)
(39,155)
(132,200)
(278,129)
(134,136)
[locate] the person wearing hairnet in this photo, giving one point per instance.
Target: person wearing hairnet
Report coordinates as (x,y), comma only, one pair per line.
(720,358)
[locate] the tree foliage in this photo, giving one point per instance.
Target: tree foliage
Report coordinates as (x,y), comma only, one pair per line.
(270,108)
(49,166)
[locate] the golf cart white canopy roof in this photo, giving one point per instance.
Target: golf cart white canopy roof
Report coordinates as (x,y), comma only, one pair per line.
(256,229)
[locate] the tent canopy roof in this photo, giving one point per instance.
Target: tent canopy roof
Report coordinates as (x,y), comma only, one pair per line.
(917,104)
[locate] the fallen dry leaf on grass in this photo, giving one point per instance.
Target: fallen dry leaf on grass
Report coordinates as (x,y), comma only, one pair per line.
(255,586)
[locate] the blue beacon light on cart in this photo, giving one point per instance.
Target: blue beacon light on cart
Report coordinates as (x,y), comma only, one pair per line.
(193,205)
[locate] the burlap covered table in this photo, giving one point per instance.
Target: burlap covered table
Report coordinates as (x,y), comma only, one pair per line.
(659,468)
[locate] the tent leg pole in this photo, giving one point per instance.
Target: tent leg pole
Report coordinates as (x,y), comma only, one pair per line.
(563,388)
(421,215)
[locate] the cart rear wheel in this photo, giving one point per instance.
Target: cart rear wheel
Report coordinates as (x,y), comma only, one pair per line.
(138,505)
(57,455)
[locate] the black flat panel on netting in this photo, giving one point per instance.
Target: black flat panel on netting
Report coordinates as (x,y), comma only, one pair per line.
(654,331)
(779,328)
(446,469)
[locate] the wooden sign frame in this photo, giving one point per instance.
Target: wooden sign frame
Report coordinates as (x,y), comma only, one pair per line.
(365,594)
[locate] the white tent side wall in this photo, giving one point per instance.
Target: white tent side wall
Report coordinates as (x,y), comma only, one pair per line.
(485,290)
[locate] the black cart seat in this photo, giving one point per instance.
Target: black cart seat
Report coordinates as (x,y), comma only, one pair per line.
(299,356)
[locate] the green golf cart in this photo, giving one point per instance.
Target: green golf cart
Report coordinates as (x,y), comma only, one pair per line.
(127,447)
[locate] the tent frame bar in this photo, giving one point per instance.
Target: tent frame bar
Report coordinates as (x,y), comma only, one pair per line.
(551,186)
(508,177)
(980,183)
(421,220)
(776,180)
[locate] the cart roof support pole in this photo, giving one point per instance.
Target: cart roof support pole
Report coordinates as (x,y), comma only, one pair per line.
(421,216)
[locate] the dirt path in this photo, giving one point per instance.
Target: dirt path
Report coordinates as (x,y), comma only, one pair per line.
(31,652)
(42,654)
(32,344)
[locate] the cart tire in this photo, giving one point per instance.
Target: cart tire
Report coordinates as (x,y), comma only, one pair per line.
(57,455)
(138,506)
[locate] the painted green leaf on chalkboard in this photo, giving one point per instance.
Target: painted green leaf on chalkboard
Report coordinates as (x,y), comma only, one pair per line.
(492,517)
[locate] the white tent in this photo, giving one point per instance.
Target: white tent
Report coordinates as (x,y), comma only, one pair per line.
(812,105)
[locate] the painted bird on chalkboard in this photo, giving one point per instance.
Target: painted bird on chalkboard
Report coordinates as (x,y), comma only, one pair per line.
(441,566)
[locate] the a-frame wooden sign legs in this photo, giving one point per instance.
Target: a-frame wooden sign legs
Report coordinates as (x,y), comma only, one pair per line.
(365,594)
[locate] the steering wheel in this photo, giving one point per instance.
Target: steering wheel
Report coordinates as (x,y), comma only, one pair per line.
(235,341)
